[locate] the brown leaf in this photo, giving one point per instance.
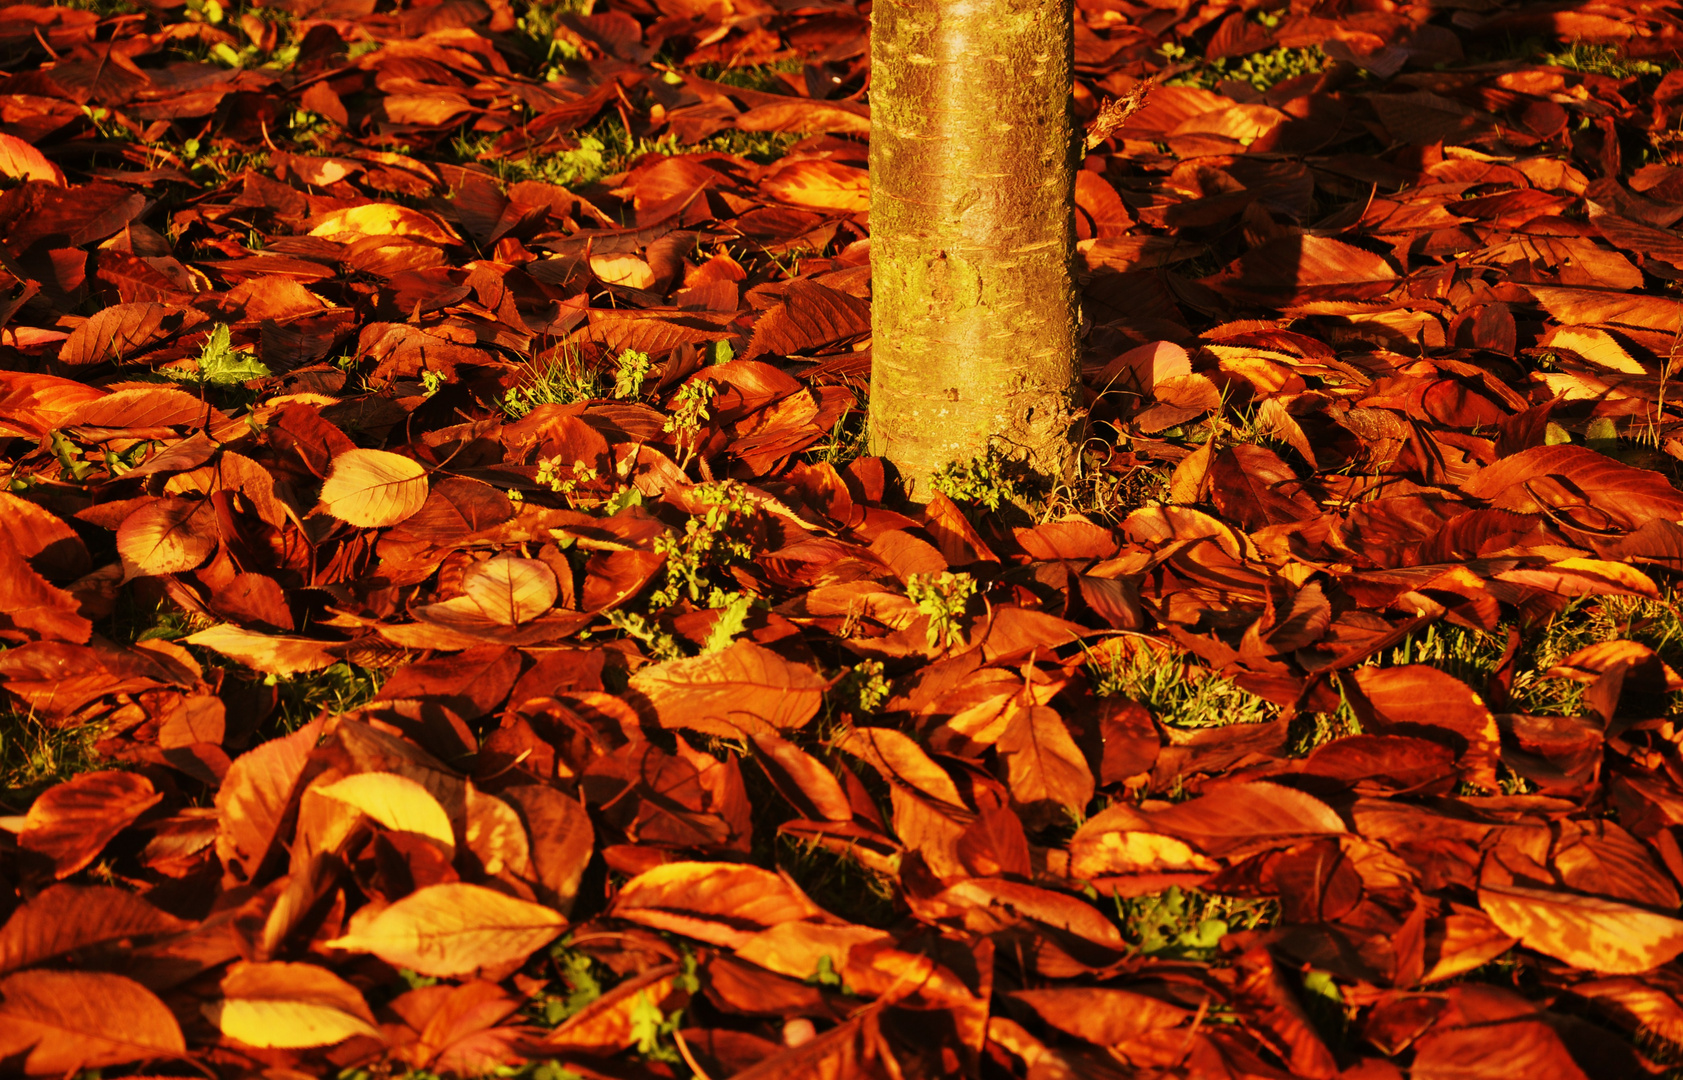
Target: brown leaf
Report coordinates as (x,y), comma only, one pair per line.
(1104,1017)
(33,605)
(802,779)
(1418,700)
(1297,269)
(1591,489)
(562,840)
(166,536)
(811,316)
(122,331)
(457,1027)
(255,797)
(1252,486)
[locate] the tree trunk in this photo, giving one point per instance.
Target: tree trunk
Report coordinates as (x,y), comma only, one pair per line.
(973,157)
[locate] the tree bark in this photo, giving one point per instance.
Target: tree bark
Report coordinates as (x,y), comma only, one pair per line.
(973,157)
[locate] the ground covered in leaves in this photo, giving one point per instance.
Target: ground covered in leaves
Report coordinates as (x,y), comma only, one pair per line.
(452,627)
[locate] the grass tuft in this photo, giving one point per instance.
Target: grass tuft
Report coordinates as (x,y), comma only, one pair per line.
(1176,693)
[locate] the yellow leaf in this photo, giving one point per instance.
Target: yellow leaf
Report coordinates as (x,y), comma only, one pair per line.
(272,654)
(284,1024)
(374,488)
(382,219)
(1584,577)
(1587,932)
(1595,345)
(288,1006)
(21,161)
(454,929)
(166,537)
(820,184)
(396,802)
(627,270)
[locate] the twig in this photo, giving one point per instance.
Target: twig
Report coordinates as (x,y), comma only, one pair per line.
(1115,112)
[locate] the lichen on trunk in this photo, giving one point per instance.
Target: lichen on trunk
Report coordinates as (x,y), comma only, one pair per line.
(973,160)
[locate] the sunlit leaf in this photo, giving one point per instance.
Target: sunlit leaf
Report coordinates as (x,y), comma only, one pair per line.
(374,488)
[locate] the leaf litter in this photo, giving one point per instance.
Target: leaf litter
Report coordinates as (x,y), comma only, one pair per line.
(543,678)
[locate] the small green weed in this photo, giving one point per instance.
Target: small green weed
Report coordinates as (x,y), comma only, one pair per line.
(864,688)
(536,27)
(652,1030)
(34,756)
(577,972)
(1189,924)
(105,9)
(565,479)
(562,380)
(943,597)
(1609,60)
(337,688)
(1262,70)
(1177,694)
(660,644)
(689,413)
(987,481)
(733,611)
(630,370)
(711,541)
(221,365)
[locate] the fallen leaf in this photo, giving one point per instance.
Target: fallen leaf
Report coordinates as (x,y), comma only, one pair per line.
(454,929)
(374,488)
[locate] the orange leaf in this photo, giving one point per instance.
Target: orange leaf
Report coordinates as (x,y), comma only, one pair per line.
(1588,932)
(720,903)
(453,929)
(66,918)
(72,822)
(21,161)
(166,537)
(59,1022)
(745,688)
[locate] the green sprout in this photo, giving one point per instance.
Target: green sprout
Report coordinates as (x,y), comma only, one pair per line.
(943,597)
